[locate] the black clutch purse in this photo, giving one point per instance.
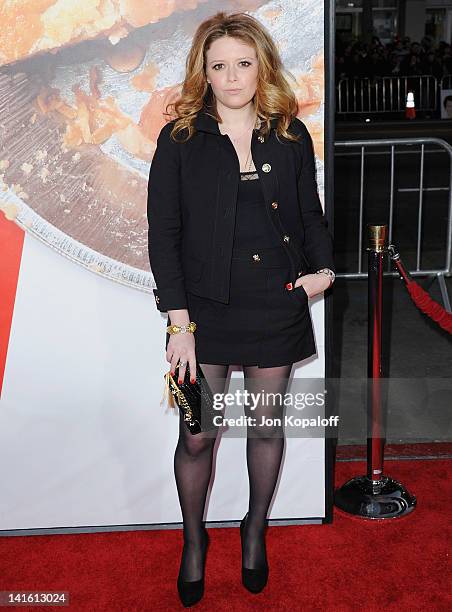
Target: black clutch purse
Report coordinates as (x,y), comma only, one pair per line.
(194,400)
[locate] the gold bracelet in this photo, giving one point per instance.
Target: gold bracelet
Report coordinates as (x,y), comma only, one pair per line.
(176,329)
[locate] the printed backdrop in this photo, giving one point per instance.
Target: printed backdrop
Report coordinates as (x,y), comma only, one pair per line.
(83,87)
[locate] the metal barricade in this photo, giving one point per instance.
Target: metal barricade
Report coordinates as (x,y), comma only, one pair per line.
(388,147)
(386,94)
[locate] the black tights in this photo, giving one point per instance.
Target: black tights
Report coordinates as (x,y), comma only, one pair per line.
(193,466)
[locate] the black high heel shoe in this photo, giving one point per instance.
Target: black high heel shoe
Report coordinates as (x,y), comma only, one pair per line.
(191,591)
(253,579)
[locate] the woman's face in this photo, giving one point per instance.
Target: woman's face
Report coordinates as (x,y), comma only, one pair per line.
(231,70)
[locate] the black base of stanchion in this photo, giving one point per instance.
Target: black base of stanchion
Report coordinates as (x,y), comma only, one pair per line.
(379,499)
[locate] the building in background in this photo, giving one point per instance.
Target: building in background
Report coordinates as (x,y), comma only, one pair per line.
(362,19)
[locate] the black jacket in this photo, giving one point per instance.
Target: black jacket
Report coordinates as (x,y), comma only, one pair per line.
(192,194)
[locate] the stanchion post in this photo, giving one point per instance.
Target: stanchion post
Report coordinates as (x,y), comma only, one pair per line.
(375,441)
(375,496)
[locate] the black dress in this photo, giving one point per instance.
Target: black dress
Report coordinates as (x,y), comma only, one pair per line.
(263,324)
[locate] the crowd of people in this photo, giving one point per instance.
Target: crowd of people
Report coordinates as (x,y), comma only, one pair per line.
(402,57)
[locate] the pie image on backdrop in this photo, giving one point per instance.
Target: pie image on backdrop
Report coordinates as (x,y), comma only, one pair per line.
(83,89)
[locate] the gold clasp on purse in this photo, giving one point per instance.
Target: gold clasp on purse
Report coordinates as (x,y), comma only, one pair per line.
(172,389)
(166,391)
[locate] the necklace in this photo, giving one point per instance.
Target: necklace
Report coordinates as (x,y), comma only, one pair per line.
(248,163)
(255,125)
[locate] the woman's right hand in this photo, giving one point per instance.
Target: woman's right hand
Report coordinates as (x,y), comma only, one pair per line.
(181,347)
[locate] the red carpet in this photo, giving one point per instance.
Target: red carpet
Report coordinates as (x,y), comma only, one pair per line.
(352,564)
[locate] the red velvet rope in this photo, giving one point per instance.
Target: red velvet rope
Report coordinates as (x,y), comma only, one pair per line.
(431,308)
(420,297)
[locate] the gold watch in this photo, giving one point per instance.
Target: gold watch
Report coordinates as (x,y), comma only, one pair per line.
(177,329)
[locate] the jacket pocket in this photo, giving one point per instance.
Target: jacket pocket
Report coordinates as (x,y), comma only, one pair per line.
(299,293)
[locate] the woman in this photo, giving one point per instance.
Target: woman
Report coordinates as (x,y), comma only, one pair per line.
(237,245)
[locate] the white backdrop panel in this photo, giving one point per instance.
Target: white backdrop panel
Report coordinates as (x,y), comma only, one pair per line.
(83,438)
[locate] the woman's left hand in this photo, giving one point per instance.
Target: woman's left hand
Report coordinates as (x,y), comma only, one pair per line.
(313,283)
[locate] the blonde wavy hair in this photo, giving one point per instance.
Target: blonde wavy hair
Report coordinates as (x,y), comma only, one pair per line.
(274,98)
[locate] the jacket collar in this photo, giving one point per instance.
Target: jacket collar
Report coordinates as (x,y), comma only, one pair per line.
(204,122)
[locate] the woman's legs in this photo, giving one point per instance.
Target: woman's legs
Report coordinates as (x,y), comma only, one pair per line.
(192,469)
(265,445)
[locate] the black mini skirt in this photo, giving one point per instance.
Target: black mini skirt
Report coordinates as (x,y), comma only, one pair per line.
(263,324)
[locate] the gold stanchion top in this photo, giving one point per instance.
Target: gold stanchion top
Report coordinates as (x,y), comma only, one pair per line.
(377,235)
